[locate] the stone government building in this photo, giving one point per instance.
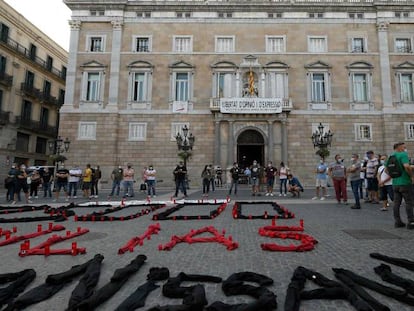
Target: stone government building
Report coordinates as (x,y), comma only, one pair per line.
(249,78)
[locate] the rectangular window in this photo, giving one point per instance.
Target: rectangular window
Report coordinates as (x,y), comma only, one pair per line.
(22,142)
(224,84)
(318,88)
(137,131)
(33,52)
(4,33)
(87,131)
(29,82)
(275,44)
(138,92)
(357,45)
(49,63)
(96,44)
(3,61)
(224,44)
(277,85)
(317,44)
(409,131)
(181,86)
(403,45)
(44,118)
(406,87)
(360,87)
(183,44)
(41,145)
(142,44)
(93,86)
(363,132)
(26,110)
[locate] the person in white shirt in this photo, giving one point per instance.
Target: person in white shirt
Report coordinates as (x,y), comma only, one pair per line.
(151,180)
(385,184)
(75,174)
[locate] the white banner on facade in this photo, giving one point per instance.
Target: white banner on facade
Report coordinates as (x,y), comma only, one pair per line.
(180,107)
(251,105)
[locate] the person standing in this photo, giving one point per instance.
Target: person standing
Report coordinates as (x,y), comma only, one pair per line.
(75,174)
(283,173)
(10,182)
(321,180)
(180,173)
(255,176)
(219,176)
(235,172)
(337,171)
(270,172)
(402,187)
(385,184)
(47,179)
(128,181)
(206,177)
(96,176)
(62,176)
(87,181)
(21,184)
(371,175)
(354,174)
(116,176)
(36,180)
(212,177)
(151,180)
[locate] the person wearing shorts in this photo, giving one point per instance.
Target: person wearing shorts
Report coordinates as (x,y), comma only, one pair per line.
(87,181)
(321,180)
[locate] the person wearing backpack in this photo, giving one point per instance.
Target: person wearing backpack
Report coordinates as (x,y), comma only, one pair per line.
(398,167)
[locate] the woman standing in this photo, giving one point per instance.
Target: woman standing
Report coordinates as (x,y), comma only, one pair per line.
(283,175)
(34,185)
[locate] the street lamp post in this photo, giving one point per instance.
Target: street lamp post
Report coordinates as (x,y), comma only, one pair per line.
(57,147)
(185,143)
(322,140)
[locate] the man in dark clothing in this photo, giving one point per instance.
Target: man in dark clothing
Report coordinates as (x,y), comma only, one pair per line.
(62,176)
(234,172)
(180,173)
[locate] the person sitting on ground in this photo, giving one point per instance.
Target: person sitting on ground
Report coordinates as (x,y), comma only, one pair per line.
(294,185)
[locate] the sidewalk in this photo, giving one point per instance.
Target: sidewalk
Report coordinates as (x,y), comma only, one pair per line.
(345,238)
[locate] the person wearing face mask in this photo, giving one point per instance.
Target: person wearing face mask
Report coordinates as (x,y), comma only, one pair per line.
(116,176)
(354,175)
(385,184)
(151,180)
(337,171)
(128,181)
(321,180)
(402,187)
(371,175)
(270,172)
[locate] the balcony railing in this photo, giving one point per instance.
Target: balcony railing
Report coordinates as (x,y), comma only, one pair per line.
(49,99)
(4,117)
(37,126)
(215,104)
(6,79)
(17,47)
(31,91)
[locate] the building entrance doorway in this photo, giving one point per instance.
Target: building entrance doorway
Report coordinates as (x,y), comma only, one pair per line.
(250,146)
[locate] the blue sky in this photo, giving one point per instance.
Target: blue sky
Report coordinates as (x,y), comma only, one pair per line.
(50,16)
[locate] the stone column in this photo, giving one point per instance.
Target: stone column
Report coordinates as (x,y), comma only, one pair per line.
(217,149)
(284,141)
(270,145)
(230,145)
(75,27)
(115,62)
(382,28)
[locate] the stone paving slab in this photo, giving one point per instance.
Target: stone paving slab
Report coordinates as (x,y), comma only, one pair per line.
(324,220)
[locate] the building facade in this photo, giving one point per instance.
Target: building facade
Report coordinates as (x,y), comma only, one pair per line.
(32,90)
(252,80)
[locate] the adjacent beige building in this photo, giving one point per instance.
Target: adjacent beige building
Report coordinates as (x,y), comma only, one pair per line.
(32,90)
(251,79)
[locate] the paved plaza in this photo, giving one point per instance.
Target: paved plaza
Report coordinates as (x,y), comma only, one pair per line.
(345,238)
